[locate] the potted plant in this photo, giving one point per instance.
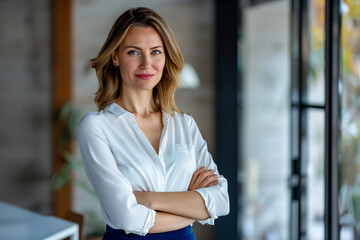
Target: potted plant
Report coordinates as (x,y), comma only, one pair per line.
(69,117)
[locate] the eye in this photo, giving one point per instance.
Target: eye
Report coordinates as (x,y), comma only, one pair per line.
(156,52)
(133,52)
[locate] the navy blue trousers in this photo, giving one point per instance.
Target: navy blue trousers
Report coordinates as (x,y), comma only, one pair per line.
(118,234)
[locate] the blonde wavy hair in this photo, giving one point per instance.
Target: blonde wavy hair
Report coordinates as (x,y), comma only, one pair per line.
(109,76)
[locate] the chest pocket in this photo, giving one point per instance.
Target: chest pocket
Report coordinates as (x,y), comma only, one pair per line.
(180,165)
(184,154)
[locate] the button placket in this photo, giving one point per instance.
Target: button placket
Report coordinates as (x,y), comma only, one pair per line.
(161,154)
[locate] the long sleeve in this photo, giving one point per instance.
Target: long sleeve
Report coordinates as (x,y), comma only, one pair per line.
(216,198)
(119,207)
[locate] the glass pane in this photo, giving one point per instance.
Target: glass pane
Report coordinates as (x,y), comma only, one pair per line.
(265,159)
(315,174)
(349,165)
(316,78)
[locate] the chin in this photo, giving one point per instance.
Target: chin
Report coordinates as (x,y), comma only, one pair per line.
(148,86)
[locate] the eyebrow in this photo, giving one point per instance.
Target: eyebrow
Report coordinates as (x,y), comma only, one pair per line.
(141,49)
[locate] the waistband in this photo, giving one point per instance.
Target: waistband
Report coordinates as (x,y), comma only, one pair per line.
(184,233)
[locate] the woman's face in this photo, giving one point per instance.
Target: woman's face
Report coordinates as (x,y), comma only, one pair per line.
(141,58)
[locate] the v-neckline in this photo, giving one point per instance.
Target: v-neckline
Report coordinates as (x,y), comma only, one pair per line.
(164,118)
(146,140)
(146,131)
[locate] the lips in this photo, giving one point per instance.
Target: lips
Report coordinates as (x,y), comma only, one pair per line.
(144,76)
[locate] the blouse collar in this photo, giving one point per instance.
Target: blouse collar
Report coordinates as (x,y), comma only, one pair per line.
(117,110)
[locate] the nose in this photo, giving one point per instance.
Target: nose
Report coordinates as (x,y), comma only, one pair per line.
(145,62)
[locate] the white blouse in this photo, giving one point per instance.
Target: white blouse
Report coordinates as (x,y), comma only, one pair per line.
(119,159)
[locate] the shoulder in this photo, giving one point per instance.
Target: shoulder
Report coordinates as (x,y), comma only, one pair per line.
(181,116)
(90,119)
(184,118)
(91,122)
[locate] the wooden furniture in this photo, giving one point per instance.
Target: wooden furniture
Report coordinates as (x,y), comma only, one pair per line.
(80,220)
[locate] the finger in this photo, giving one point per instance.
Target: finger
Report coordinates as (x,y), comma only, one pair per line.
(196,174)
(213,183)
(199,170)
(209,179)
(202,176)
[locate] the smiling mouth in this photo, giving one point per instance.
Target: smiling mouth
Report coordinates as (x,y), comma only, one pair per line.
(144,76)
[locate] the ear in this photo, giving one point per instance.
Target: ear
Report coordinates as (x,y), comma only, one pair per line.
(115,58)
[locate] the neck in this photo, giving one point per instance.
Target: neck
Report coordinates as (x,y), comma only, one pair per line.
(138,103)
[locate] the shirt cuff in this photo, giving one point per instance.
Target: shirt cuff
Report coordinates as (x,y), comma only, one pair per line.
(149,222)
(210,206)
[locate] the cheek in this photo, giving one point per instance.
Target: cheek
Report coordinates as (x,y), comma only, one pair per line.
(128,65)
(160,64)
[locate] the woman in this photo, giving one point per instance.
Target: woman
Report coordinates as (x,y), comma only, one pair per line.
(145,158)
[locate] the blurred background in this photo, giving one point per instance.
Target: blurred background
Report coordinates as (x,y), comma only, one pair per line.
(274,86)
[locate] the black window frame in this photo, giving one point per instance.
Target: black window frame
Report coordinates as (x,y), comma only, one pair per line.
(228,111)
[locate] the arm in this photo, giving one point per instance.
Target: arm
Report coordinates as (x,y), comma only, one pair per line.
(165,222)
(119,207)
(216,197)
(189,204)
(169,201)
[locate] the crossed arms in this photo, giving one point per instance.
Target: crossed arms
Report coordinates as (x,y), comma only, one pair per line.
(175,210)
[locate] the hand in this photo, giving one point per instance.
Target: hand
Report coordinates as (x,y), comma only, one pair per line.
(203,178)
